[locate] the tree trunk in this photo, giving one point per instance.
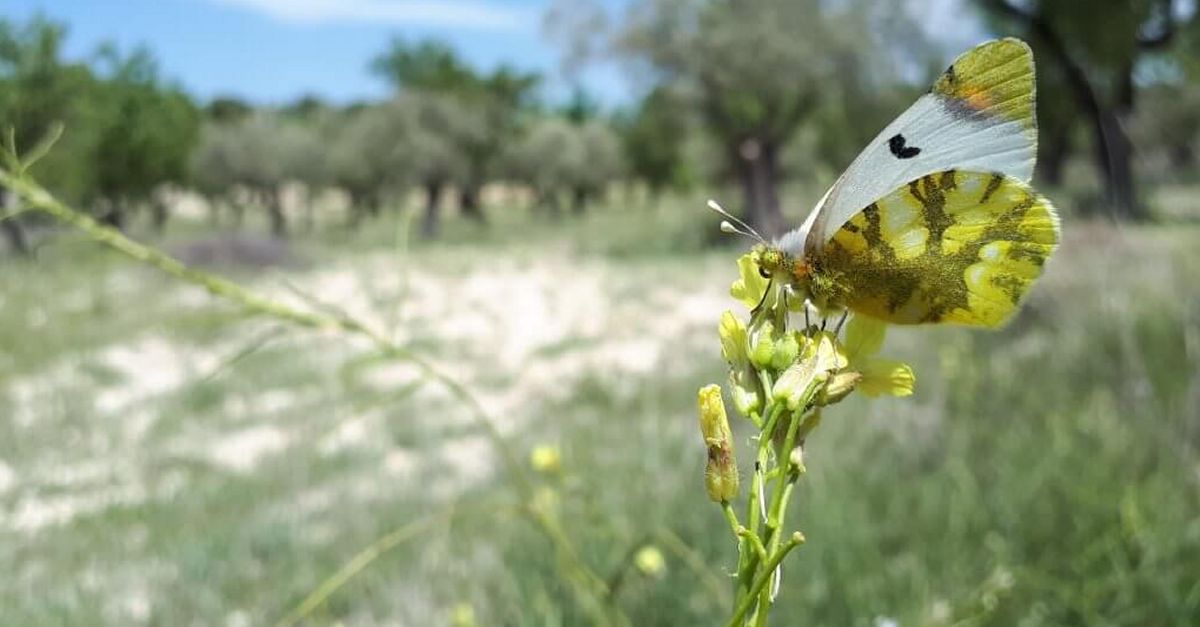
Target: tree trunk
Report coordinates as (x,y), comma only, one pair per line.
(1114,151)
(13,231)
(757,164)
(239,213)
(1054,148)
(114,215)
(214,212)
(579,200)
(469,205)
(159,215)
(275,211)
(310,210)
(356,210)
(433,199)
(1119,182)
(1182,156)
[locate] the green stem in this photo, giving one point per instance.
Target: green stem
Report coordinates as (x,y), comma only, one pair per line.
(755,543)
(748,562)
(763,578)
(731,518)
(372,552)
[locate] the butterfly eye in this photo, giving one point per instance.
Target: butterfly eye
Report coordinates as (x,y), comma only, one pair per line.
(762,272)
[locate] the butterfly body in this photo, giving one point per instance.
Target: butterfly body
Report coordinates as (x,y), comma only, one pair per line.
(935,220)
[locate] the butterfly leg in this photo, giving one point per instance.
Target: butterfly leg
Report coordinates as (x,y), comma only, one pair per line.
(841,321)
(761,301)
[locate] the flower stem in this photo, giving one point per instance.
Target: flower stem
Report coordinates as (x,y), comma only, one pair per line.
(763,578)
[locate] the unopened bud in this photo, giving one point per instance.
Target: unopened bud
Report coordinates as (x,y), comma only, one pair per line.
(720,475)
(796,458)
(786,351)
(762,349)
(744,391)
(792,387)
(838,387)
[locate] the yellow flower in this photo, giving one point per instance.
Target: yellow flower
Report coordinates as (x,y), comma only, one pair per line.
(463,615)
(864,338)
(750,288)
(546,458)
(650,561)
(733,339)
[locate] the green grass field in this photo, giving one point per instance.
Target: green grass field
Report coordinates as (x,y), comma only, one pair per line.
(165,460)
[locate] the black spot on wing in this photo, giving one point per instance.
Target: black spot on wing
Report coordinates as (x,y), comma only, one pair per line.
(897,144)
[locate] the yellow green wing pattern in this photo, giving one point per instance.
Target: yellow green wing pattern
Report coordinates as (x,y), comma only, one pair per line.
(959,247)
(992,79)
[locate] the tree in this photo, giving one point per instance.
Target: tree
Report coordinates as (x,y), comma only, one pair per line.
(369,157)
(37,90)
(652,140)
(537,160)
(1096,46)
(497,101)
(228,109)
(147,137)
(594,163)
(441,128)
(752,79)
(258,155)
(1169,120)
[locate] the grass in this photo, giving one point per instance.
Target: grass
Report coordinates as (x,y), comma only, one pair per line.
(165,461)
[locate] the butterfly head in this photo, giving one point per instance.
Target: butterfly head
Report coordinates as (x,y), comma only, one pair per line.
(777,264)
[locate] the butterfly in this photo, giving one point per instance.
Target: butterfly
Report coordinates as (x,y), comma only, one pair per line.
(935,220)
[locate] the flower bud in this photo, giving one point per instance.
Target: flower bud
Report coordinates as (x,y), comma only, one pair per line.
(786,351)
(744,390)
(796,457)
(839,386)
(720,475)
(793,385)
(762,348)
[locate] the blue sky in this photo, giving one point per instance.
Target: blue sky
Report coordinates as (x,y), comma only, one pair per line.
(273,51)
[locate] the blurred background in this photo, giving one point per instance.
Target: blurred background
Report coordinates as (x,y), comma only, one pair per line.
(514,191)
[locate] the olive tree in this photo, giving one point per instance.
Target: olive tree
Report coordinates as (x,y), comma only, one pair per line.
(369,158)
(753,76)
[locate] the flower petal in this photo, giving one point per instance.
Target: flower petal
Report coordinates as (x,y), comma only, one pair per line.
(749,289)
(734,340)
(886,376)
(864,337)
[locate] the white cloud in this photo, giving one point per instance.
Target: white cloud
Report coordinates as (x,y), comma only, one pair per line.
(455,13)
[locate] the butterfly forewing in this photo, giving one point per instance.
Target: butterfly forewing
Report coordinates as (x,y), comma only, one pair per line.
(979,116)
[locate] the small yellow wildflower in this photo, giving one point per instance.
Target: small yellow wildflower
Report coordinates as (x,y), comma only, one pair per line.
(546,459)
(650,561)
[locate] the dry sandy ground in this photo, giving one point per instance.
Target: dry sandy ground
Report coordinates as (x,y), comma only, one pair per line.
(517,332)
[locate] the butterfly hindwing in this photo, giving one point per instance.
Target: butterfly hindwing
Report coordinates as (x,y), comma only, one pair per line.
(978,116)
(954,246)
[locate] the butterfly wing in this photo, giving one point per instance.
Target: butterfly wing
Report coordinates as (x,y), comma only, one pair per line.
(953,246)
(978,116)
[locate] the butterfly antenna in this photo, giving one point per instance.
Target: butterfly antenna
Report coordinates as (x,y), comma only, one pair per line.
(732,224)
